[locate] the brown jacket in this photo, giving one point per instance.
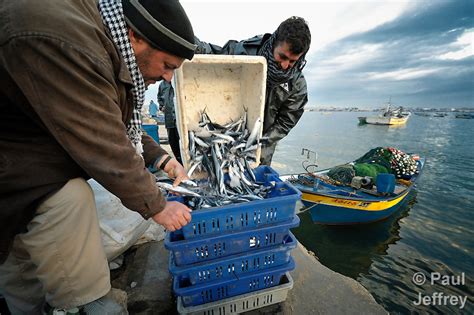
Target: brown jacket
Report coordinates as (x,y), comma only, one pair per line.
(65,100)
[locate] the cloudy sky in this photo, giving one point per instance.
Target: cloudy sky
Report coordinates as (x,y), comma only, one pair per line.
(418,52)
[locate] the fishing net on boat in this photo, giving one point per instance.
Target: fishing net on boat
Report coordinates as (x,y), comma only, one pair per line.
(371,170)
(377,161)
(393,160)
(403,165)
(342,173)
(379,156)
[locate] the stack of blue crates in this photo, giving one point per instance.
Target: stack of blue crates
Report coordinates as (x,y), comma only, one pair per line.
(236,249)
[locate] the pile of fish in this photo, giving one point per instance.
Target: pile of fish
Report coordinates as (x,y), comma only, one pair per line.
(225,153)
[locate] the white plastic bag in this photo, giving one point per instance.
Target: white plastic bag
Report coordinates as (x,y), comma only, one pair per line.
(121,227)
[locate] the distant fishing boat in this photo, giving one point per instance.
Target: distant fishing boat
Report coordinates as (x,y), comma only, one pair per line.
(440,115)
(334,204)
(422,114)
(389,116)
(465,116)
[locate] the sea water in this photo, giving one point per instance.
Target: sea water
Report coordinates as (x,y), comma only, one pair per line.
(401,260)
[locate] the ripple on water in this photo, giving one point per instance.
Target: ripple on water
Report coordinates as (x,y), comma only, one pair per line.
(434,233)
(390,279)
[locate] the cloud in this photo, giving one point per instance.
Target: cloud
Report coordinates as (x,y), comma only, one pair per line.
(404,74)
(462,48)
(328,20)
(424,58)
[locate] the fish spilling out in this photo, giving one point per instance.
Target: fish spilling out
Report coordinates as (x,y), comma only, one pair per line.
(225,153)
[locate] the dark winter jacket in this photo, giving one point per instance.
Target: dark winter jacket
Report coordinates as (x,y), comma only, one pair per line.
(166,101)
(65,101)
(284,104)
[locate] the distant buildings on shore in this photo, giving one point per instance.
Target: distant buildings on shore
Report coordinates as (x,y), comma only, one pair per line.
(410,109)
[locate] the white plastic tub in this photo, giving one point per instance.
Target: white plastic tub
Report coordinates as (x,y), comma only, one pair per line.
(223,86)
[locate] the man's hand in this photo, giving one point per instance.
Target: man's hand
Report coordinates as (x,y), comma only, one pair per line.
(174,216)
(174,170)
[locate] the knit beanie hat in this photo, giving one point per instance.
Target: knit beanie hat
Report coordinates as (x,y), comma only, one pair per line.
(162,23)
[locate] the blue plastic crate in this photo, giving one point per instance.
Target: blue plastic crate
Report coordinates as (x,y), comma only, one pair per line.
(204,293)
(205,249)
(152,131)
(266,173)
(234,266)
(280,206)
(243,302)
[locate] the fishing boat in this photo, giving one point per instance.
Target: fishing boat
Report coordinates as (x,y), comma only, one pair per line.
(334,204)
(465,115)
(422,114)
(389,116)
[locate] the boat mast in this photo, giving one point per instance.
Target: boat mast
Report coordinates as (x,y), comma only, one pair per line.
(389,104)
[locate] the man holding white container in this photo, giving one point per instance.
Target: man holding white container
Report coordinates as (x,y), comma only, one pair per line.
(286,91)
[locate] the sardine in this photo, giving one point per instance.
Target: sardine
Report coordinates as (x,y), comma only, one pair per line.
(203,133)
(218,151)
(220,141)
(189,182)
(201,142)
(255,131)
(249,170)
(192,145)
(225,137)
(252,148)
(178,189)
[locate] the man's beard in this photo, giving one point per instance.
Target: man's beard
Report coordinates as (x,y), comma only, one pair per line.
(143,63)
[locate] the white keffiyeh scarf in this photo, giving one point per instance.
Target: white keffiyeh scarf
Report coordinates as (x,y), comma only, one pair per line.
(112,16)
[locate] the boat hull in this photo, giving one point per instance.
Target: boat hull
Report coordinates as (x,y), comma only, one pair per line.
(386,120)
(465,116)
(340,211)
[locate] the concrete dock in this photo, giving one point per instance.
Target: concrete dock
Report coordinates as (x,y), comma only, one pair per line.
(143,284)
